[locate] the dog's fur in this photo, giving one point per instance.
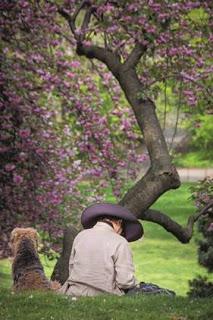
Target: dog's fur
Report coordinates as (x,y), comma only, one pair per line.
(27,270)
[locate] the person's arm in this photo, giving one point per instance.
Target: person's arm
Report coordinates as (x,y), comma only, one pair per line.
(124,268)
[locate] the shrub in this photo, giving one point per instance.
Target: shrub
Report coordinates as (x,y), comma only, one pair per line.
(202,194)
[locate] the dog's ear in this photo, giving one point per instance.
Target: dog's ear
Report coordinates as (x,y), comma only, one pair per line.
(13,239)
(13,235)
(35,236)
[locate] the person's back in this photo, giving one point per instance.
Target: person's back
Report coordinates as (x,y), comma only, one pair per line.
(100,262)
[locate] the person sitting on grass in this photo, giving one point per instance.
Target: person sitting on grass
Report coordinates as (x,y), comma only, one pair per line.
(101,260)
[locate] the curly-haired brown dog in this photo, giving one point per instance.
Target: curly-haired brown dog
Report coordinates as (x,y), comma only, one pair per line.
(27,270)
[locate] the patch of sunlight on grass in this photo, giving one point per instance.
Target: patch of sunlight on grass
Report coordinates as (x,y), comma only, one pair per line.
(5,273)
(167,263)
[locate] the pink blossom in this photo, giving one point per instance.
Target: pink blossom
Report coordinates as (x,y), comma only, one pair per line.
(75,64)
(70,74)
(4,149)
(107,76)
(55,199)
(9,167)
(67,131)
(40,151)
(141,20)
(112,29)
(17,179)
(200,63)
(87,43)
(24,4)
(133,7)
(126,125)
(24,133)
(150,29)
(173,52)
(163,16)
(142,157)
(127,19)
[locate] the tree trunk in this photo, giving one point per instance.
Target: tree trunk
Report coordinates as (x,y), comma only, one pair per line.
(61,269)
(162,174)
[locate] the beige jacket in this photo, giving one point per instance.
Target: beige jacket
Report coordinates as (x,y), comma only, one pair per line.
(100,262)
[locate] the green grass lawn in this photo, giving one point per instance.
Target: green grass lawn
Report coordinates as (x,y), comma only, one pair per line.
(193,159)
(158,257)
(49,306)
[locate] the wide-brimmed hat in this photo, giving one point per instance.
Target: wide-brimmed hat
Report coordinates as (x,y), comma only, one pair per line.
(132,228)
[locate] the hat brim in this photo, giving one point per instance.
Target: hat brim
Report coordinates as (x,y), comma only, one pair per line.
(133,230)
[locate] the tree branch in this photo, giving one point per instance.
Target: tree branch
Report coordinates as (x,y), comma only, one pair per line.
(72,19)
(135,56)
(102,54)
(66,15)
(183,234)
(87,17)
(79,8)
(162,175)
(69,19)
(149,188)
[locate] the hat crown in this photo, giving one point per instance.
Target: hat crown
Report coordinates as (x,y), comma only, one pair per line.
(133,228)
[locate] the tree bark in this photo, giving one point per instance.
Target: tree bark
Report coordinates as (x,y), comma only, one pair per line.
(162,175)
(61,269)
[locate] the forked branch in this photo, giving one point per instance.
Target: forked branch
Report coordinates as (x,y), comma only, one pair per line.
(71,19)
(135,56)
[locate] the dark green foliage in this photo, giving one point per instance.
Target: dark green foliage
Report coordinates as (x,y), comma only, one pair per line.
(203,195)
(203,131)
(201,288)
(205,250)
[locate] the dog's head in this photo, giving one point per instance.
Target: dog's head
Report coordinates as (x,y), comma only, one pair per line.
(22,233)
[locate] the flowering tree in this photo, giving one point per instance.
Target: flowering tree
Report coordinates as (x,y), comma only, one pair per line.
(145,43)
(48,143)
(32,184)
(55,131)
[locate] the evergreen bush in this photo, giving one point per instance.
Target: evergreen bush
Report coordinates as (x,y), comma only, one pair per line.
(202,193)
